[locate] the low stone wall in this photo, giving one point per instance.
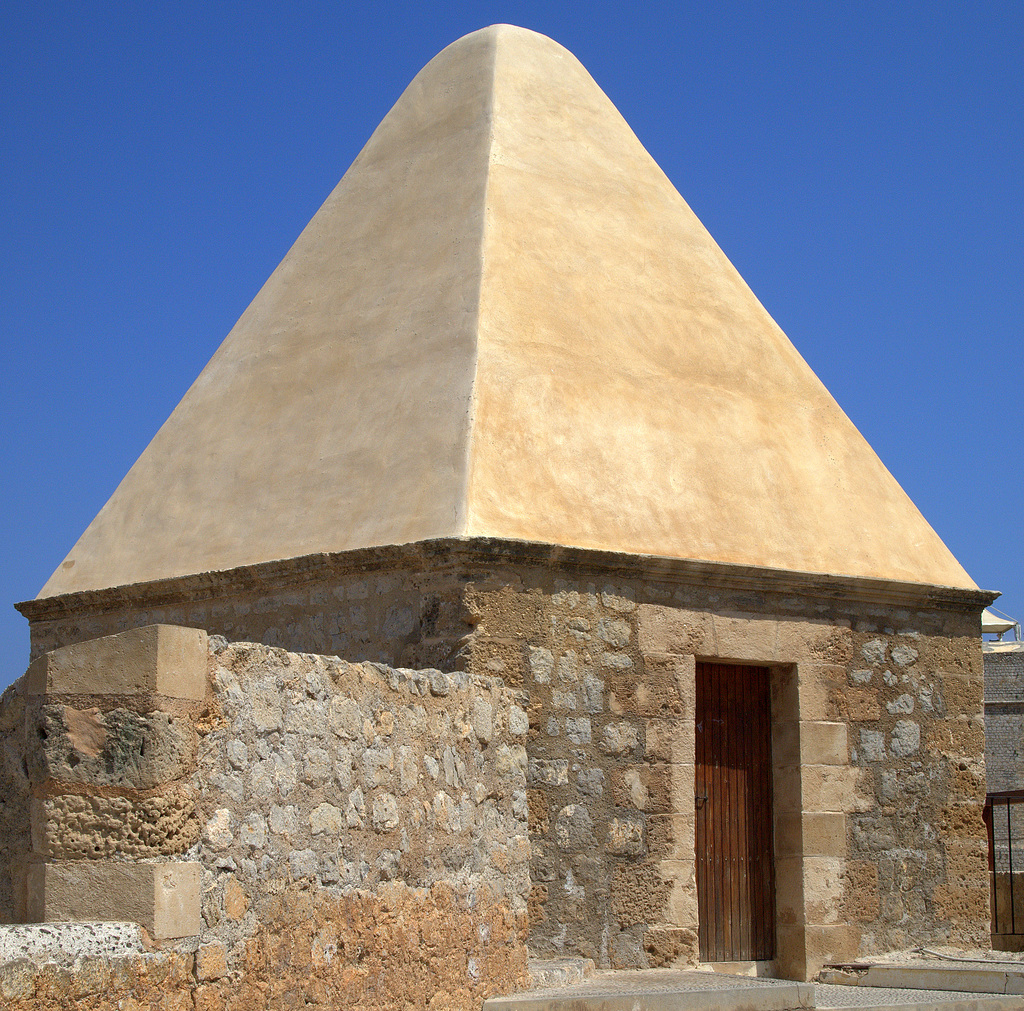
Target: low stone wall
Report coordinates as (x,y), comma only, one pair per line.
(313,831)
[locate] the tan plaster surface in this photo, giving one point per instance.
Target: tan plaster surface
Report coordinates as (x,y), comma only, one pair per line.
(506,322)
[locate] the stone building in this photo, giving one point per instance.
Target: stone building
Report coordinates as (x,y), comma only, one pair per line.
(545,593)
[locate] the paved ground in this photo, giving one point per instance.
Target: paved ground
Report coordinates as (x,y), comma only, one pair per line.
(829,996)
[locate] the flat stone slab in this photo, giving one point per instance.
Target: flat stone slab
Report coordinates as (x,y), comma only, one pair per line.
(996,977)
(663,990)
(874,998)
(64,942)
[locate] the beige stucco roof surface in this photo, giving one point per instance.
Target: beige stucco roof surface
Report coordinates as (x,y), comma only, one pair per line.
(504,321)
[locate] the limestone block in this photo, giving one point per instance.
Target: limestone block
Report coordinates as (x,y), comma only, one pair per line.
(749,638)
(829,943)
(786,742)
(789,890)
(824,833)
(788,790)
(823,743)
(162,897)
(670,630)
(681,902)
(823,889)
(828,788)
(818,689)
(166,660)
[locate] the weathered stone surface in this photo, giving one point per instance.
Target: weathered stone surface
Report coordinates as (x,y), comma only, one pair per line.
(89,826)
(115,748)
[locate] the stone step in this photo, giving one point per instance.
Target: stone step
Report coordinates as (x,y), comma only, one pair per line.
(662,990)
(550,972)
(997,978)
(870,998)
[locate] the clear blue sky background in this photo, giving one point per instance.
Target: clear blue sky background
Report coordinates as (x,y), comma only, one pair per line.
(860,163)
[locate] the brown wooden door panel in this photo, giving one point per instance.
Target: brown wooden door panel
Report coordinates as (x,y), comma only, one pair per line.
(735,867)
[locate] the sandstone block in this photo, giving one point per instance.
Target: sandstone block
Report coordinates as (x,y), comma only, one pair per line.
(823,743)
(669,630)
(829,943)
(670,836)
(860,901)
(749,638)
(669,740)
(671,946)
(87,826)
(167,660)
(162,897)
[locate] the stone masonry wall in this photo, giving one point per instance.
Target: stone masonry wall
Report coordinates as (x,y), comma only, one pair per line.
(360,833)
(877,735)
(878,755)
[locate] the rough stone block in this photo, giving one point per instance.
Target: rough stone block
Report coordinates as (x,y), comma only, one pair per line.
(166,660)
(162,897)
(211,961)
(860,705)
(823,743)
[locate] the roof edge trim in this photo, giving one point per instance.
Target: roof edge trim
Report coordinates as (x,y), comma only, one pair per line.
(452,552)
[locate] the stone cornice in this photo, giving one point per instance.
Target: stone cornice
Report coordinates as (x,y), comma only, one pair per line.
(473,553)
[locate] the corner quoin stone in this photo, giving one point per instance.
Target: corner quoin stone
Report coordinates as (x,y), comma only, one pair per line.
(162,897)
(166,660)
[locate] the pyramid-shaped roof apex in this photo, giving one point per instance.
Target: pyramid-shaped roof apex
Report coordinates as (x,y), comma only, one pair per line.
(504,321)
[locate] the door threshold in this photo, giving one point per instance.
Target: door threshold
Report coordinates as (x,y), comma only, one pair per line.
(765,969)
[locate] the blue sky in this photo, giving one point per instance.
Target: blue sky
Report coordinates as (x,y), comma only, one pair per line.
(860,163)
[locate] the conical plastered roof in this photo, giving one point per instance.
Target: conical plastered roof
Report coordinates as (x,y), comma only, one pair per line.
(504,321)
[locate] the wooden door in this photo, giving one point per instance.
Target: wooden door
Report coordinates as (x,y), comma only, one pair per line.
(735,868)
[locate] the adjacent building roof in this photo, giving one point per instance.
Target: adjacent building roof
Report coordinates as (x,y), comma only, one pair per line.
(505,321)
